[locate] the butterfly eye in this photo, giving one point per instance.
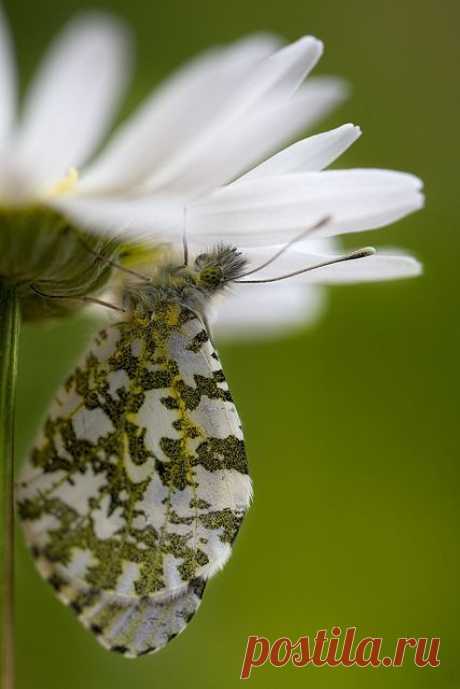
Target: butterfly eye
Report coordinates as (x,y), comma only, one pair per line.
(200,260)
(211,277)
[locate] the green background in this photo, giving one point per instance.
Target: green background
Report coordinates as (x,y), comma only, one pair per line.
(352,426)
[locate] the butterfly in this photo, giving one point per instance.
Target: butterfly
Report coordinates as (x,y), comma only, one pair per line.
(136,489)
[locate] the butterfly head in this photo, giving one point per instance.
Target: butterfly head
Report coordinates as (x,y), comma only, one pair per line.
(214,269)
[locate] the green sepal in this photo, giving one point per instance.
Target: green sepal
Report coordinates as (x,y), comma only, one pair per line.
(53,264)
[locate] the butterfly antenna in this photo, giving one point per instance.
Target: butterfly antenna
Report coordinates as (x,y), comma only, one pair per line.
(305,233)
(353,256)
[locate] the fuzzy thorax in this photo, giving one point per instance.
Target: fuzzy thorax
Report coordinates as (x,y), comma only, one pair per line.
(192,286)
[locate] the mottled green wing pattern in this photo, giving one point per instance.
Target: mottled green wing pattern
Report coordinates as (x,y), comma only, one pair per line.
(137,487)
(130,625)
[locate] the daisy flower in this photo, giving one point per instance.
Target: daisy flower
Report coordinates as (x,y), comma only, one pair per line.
(203,159)
(200,157)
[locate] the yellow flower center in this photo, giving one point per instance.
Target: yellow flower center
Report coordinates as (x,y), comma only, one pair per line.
(66,184)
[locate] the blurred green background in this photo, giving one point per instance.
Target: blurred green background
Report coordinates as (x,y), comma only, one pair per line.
(355,519)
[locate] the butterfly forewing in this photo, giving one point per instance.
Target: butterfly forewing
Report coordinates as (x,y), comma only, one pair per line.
(138,484)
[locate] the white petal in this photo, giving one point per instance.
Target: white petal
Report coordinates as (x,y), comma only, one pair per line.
(274,209)
(156,220)
(7,79)
(256,311)
(280,74)
(262,117)
(314,153)
(176,113)
(322,95)
(218,103)
(73,97)
(224,152)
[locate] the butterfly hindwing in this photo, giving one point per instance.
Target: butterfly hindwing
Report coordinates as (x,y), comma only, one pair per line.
(138,484)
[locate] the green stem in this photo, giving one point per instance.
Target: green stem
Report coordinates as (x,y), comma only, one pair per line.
(9,336)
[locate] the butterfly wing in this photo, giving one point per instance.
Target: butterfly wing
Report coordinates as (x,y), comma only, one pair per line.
(130,625)
(136,489)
